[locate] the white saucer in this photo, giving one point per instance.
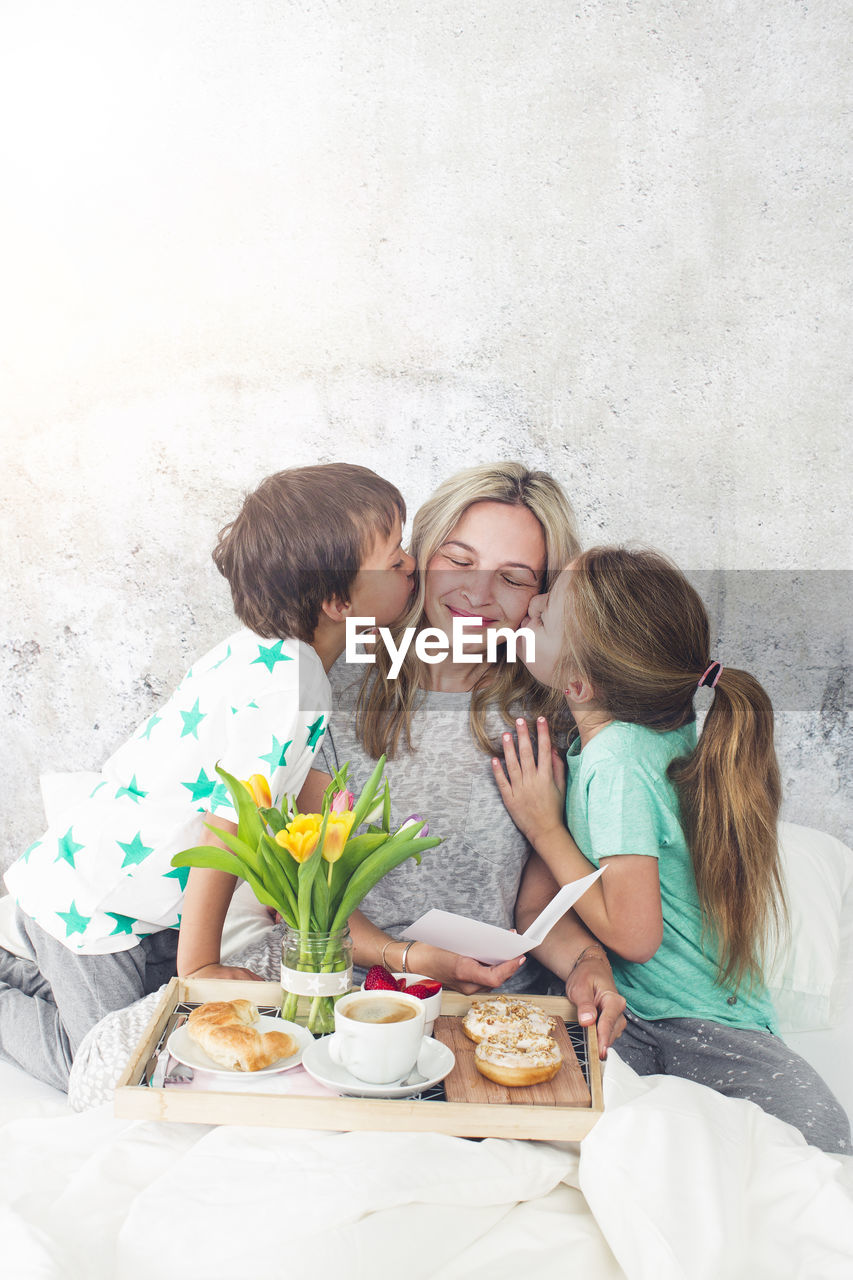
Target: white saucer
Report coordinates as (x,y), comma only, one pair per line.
(182,1046)
(435,1061)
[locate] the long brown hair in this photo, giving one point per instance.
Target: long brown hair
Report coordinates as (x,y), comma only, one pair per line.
(385,706)
(638,631)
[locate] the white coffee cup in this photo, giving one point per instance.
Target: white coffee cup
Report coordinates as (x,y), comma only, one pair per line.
(378,1035)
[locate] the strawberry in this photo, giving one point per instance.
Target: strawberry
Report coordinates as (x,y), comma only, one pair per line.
(423,990)
(379,979)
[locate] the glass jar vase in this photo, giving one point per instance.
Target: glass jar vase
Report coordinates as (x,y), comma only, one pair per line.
(316,970)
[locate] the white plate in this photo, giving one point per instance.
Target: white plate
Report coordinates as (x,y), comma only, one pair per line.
(182,1046)
(435,1061)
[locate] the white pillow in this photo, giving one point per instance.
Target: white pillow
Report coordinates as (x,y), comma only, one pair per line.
(810,978)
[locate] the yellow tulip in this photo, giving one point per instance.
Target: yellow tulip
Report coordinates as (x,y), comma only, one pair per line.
(259,789)
(300,836)
(337,833)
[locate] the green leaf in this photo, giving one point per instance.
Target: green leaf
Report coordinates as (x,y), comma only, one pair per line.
(249,824)
(372,869)
(386,807)
(205,855)
(307,872)
(365,801)
(321,897)
(284,860)
(357,848)
(276,878)
(237,846)
(274,819)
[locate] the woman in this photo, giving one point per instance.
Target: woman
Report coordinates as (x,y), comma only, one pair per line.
(488,540)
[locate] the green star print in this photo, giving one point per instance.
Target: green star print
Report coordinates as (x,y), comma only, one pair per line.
(124,924)
(315,733)
(192,719)
(131,791)
(181,874)
(270,655)
(277,752)
(202,787)
(134,852)
(74,922)
(155,720)
(67,849)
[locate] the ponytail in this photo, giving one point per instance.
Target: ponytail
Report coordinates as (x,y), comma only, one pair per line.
(730,792)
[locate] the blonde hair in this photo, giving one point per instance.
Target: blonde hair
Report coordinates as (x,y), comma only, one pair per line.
(638,632)
(386,707)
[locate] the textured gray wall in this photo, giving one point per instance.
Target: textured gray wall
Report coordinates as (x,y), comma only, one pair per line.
(612,239)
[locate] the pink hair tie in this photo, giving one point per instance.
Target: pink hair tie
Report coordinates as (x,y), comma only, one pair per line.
(712,684)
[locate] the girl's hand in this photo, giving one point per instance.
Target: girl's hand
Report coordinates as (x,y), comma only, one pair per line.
(534,791)
(459,973)
(590,987)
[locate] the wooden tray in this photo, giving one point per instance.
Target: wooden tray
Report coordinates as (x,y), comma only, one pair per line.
(547,1116)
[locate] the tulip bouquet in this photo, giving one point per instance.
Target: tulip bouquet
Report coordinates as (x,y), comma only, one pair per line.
(314,869)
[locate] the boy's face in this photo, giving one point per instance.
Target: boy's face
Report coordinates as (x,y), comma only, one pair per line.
(383,585)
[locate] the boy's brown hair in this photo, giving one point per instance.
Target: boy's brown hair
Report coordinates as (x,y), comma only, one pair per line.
(299,541)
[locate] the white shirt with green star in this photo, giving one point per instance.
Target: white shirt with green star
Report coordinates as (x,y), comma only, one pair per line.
(101,879)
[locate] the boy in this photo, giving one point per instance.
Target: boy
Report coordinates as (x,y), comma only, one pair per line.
(98,899)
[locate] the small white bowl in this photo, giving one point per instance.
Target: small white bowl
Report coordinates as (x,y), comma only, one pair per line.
(432,1005)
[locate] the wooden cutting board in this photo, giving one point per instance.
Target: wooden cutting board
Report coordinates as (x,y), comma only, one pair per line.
(465,1084)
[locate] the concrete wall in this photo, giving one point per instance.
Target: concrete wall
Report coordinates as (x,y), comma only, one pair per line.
(612,239)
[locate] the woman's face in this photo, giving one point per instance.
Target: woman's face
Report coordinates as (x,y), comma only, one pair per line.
(488,569)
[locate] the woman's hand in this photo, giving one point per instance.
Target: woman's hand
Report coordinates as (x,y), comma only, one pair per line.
(590,987)
(533,790)
(459,973)
(232,972)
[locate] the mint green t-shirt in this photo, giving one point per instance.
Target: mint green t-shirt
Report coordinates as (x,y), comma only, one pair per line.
(620,801)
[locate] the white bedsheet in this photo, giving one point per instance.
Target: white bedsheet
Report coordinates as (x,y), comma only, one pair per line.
(674,1181)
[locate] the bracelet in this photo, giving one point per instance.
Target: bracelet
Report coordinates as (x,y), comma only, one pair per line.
(384,949)
(406,951)
(597,950)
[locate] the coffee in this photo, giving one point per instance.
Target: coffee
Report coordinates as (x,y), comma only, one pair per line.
(380,1010)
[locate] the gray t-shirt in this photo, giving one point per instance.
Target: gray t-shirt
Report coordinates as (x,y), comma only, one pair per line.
(448,780)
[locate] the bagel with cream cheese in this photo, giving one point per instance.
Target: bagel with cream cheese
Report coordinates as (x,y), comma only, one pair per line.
(518,1058)
(485,1018)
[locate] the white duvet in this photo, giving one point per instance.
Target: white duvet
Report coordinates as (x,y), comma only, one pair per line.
(674,1181)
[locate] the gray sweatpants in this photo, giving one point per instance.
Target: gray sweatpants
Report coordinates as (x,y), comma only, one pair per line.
(50,998)
(739,1064)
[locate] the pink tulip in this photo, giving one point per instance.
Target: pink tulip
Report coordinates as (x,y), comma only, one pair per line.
(342,801)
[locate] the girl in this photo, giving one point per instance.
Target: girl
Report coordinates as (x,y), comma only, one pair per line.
(686,831)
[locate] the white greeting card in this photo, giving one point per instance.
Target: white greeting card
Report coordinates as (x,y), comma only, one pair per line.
(487,942)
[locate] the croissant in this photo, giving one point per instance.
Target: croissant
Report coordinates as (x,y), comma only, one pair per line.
(224,1030)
